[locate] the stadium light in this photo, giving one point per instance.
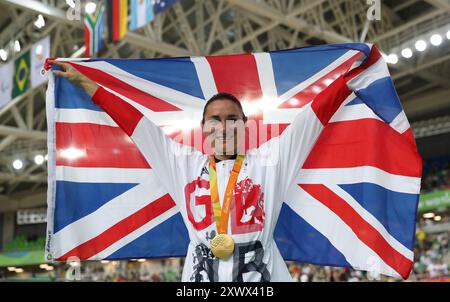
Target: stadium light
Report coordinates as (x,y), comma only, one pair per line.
(17,164)
(3,54)
(420,45)
(39,159)
(39,49)
(407,53)
(17,45)
(436,39)
(392,58)
(428,215)
(40,22)
(90,8)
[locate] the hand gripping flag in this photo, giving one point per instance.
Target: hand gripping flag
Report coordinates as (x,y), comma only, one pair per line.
(353,202)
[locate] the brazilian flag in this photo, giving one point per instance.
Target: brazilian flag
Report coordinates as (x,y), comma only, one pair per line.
(22,74)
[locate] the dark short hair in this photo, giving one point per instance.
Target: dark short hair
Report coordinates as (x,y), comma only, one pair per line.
(223,96)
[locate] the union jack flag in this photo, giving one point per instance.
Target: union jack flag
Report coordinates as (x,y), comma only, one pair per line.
(353,203)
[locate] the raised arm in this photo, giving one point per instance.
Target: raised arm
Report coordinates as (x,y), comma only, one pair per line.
(295,143)
(289,151)
(168,159)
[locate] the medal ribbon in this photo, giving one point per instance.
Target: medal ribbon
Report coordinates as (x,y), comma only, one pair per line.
(221,215)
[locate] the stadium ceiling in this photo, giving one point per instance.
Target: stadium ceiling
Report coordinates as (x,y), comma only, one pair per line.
(195,27)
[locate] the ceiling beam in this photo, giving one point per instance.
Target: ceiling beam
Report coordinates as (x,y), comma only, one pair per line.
(407,25)
(440,4)
(159,46)
(427,102)
(12,178)
(39,7)
(60,15)
(291,20)
(22,201)
(425,65)
(23,133)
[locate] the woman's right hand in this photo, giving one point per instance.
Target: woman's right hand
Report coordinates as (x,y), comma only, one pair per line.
(70,73)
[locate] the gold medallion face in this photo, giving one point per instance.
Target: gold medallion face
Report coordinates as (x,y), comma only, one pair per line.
(222,246)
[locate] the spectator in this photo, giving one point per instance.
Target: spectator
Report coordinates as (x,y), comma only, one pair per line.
(437,269)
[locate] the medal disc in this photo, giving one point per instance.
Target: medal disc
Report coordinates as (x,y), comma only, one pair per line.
(222,246)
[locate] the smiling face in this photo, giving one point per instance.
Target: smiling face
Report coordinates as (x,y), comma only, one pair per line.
(223,125)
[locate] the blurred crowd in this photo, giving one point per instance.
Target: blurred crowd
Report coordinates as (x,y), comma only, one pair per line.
(431,262)
(143,270)
(314,273)
(431,254)
(436,176)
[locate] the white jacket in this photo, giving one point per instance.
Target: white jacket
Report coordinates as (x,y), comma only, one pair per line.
(266,175)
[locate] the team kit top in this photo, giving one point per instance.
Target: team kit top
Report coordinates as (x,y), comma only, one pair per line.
(265,178)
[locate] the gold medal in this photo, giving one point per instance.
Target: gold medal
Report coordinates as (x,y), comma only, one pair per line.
(222,246)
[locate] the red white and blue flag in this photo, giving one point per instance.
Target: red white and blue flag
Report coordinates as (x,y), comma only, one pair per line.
(353,203)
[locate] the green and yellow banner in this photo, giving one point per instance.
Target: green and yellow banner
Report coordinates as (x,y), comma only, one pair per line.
(22,258)
(434,200)
(21,74)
